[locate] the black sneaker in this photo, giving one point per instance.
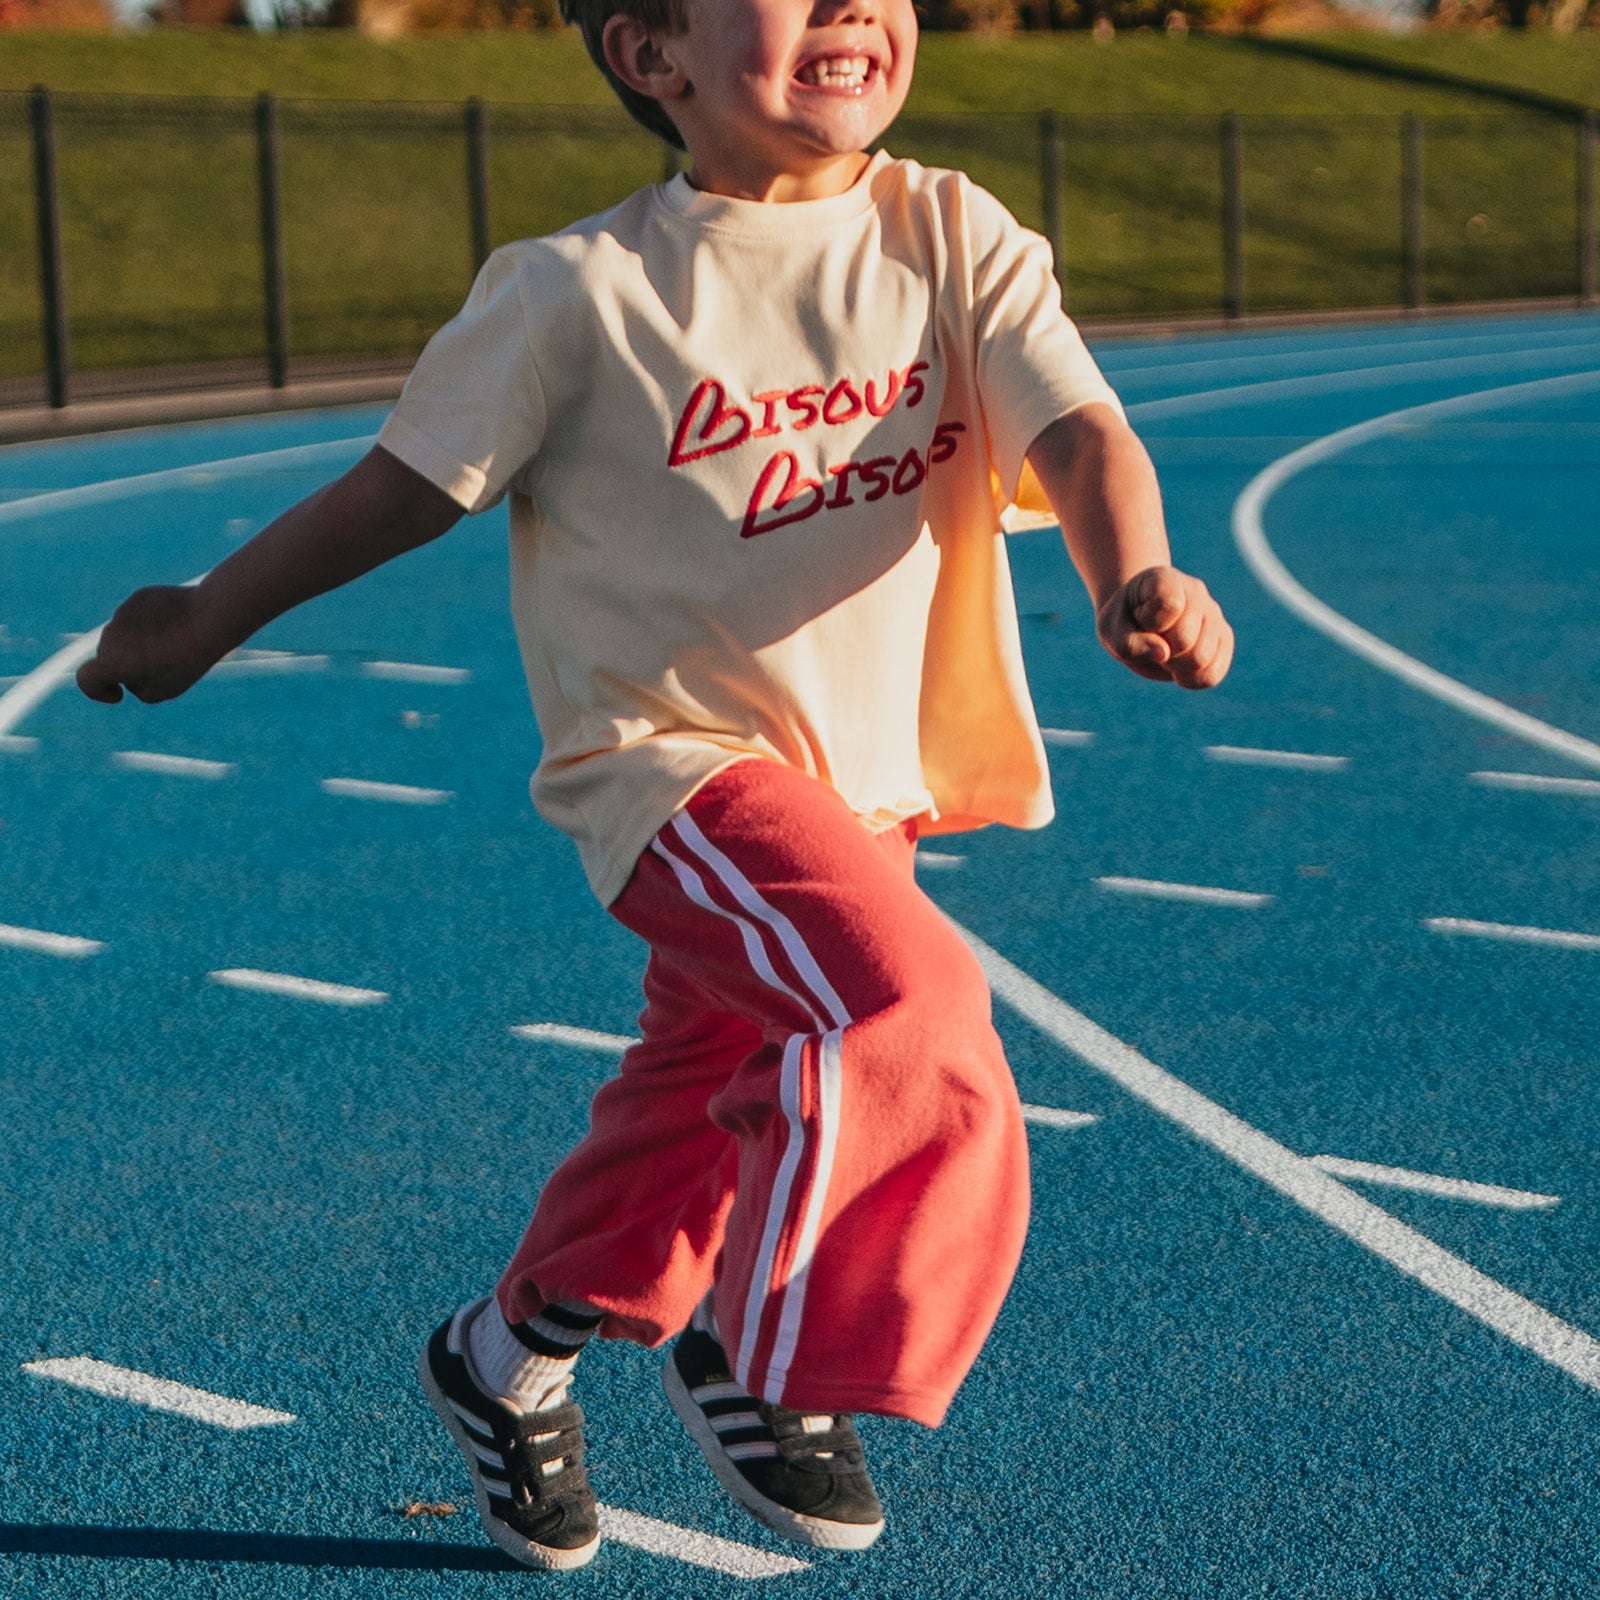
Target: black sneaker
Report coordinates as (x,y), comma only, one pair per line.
(533,1495)
(803,1475)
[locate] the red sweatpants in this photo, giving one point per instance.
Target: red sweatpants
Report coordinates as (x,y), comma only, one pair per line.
(819,1120)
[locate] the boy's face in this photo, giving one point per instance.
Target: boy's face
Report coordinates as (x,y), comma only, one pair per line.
(788,89)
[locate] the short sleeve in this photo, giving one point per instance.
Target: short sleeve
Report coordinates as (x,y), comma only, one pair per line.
(472,414)
(1032,363)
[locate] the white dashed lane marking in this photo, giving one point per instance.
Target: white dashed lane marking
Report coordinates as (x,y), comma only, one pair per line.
(175,766)
(18,744)
(1051,1117)
(410,672)
(579,1038)
(398,793)
(1511,933)
(1157,890)
(933,858)
(1483,1194)
(1589,787)
(266,663)
(699,1549)
(1066,736)
(284,983)
(1242,755)
(157,1394)
(49,944)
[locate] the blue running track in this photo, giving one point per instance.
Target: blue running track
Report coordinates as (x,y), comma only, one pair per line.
(1326,911)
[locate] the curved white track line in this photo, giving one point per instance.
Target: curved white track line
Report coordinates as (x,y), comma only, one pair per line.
(31,690)
(1251,539)
(1387,376)
(195,476)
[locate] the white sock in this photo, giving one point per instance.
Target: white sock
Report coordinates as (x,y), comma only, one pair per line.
(530,1365)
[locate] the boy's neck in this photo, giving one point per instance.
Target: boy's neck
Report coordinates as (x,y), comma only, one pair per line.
(741,180)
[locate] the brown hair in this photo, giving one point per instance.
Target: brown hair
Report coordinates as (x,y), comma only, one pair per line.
(660,16)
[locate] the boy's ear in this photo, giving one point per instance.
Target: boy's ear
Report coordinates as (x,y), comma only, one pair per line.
(636,56)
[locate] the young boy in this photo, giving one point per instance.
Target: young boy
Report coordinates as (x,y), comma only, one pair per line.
(756,425)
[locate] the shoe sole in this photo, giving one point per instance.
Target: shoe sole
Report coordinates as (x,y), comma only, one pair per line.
(817,1532)
(527,1553)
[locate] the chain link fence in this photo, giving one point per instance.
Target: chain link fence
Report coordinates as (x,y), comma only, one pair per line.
(147,242)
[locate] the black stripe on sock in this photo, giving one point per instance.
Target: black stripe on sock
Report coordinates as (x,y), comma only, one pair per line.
(578,1321)
(529,1339)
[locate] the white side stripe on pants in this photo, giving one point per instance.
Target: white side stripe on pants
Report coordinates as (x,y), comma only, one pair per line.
(825,1007)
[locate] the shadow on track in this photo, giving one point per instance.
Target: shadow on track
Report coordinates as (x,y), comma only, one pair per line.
(204,1544)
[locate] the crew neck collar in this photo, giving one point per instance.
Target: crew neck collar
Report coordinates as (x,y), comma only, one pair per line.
(768,217)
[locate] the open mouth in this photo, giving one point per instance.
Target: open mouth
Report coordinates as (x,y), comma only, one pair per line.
(848,73)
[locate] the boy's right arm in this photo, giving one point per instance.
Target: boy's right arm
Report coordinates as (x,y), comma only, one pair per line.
(162,640)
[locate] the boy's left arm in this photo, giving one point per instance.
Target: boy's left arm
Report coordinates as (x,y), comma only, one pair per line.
(1156,620)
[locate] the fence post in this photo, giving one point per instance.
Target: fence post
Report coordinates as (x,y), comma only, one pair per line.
(1051,192)
(52,281)
(478,181)
(272,241)
(1588,210)
(1411,241)
(1232,215)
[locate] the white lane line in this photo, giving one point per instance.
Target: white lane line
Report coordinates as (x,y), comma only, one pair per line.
(177,766)
(1052,1117)
(579,1038)
(409,672)
(1066,736)
(17,744)
(1159,890)
(284,983)
(1418,1257)
(1243,755)
(1250,536)
(1483,1194)
(1356,378)
(50,944)
(404,794)
(1589,787)
(1511,933)
(266,664)
(157,1394)
(934,858)
(699,1549)
(93,494)
(33,688)
(1339,355)
(38,685)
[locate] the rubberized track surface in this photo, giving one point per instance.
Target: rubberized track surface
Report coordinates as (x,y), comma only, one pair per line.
(1204,1384)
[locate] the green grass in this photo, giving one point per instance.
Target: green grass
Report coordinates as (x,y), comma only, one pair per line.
(955,74)
(161,232)
(1567,66)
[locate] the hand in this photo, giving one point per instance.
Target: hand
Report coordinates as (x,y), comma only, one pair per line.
(1163,624)
(152,644)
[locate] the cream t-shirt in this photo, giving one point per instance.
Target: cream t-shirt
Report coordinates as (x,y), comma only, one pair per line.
(756,456)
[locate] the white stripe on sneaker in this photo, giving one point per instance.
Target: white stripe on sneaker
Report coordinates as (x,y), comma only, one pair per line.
(755,1451)
(732,1421)
(709,1393)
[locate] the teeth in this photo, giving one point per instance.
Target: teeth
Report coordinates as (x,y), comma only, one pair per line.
(837,72)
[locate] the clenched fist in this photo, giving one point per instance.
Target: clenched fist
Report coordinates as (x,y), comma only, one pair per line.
(153,646)
(1163,624)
